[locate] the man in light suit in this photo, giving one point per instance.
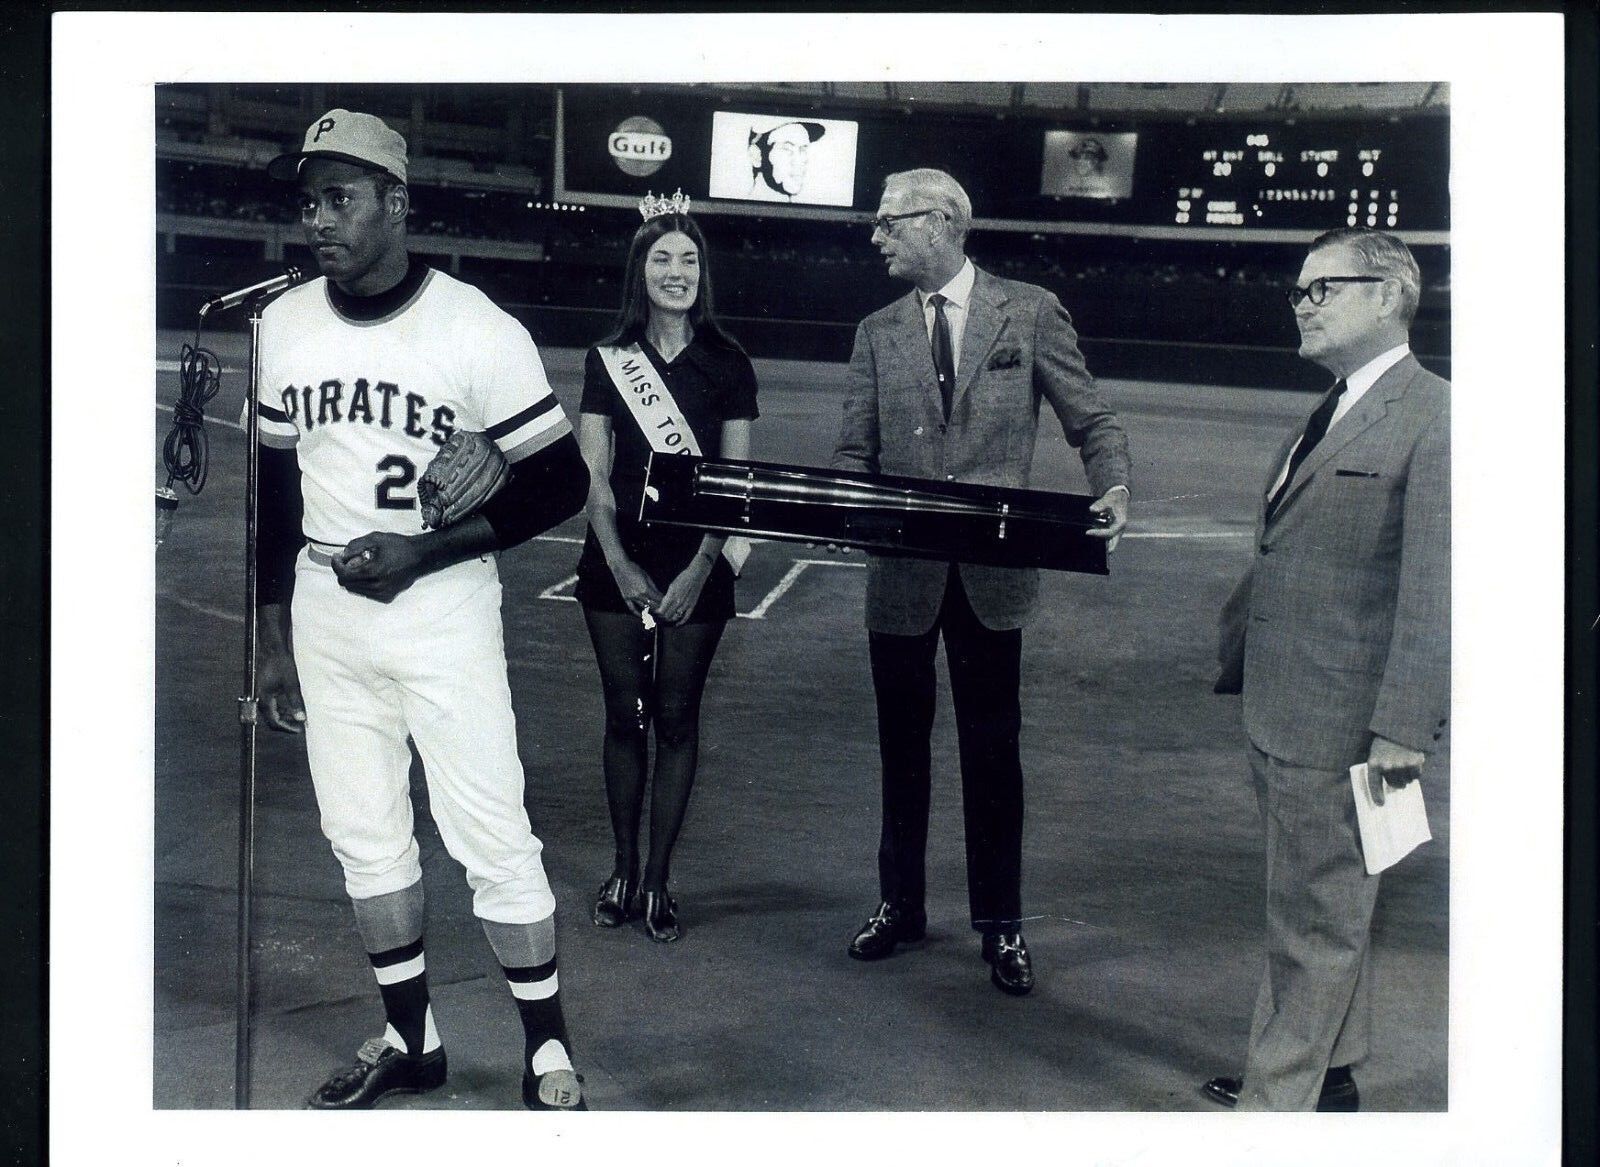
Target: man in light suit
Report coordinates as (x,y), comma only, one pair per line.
(1339,635)
(946,384)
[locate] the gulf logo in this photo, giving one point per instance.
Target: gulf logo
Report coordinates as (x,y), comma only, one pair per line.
(639,146)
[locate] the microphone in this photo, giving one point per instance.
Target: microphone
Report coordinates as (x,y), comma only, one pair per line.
(290,277)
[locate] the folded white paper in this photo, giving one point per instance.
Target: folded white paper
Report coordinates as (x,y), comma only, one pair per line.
(1392,831)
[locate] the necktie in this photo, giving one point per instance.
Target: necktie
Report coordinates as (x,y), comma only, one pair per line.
(944,361)
(1316,428)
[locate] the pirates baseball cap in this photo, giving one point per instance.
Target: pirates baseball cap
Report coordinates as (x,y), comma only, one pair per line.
(348,137)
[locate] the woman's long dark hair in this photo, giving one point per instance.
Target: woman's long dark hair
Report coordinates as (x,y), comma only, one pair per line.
(636,301)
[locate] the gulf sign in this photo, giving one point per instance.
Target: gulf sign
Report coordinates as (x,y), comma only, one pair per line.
(639,146)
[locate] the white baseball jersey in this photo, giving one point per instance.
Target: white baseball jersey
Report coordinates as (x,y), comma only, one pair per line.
(367,404)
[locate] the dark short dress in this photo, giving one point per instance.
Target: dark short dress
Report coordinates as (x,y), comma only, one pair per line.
(711,384)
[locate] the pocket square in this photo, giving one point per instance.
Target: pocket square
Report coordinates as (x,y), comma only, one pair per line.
(1355,474)
(1008,357)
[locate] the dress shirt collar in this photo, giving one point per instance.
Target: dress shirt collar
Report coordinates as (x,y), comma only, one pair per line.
(958,291)
(1364,378)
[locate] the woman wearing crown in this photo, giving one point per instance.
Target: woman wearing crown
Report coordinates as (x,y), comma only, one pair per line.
(667,380)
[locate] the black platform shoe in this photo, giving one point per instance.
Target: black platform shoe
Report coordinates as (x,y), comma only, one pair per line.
(660,913)
(563,1099)
(380,1070)
(617,903)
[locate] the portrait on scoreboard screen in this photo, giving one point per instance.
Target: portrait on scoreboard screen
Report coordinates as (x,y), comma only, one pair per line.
(1087,166)
(772,158)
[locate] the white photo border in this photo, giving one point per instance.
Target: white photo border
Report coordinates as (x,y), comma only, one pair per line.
(1505,73)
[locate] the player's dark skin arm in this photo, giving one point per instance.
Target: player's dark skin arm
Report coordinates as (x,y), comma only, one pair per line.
(544,489)
(278,538)
(277,682)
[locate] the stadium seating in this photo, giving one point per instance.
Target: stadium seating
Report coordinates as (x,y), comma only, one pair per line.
(1206,310)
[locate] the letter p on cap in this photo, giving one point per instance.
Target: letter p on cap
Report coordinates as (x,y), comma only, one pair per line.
(323,127)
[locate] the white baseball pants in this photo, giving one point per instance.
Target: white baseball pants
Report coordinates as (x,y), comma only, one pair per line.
(430,664)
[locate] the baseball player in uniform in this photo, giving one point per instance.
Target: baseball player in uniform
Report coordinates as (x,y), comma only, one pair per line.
(396,629)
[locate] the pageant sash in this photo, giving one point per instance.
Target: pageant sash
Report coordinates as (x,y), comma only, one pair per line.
(658,417)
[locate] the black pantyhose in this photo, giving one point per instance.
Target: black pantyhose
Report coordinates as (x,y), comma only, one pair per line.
(650,678)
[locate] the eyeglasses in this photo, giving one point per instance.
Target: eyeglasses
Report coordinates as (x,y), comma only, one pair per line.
(885,223)
(1317,290)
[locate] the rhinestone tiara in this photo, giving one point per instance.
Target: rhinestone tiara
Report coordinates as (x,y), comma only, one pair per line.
(651,207)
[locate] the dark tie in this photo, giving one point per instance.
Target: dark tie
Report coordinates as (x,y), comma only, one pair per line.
(944,360)
(1316,428)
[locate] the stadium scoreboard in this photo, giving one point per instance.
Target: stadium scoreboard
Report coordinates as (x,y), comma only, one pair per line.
(1309,176)
(1167,175)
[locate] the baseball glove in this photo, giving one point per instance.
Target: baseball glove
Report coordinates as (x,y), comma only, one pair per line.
(463,475)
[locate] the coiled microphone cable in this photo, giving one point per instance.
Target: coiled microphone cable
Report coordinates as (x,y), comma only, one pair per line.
(186,452)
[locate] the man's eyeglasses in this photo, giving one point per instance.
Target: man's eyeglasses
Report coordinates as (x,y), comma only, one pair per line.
(885,223)
(1317,290)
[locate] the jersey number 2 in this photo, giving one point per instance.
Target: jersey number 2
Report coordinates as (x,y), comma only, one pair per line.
(399,472)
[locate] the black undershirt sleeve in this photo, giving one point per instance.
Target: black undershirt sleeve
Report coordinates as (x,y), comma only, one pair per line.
(544,489)
(278,520)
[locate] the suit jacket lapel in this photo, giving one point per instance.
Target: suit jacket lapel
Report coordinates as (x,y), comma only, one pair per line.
(914,352)
(1284,450)
(1372,407)
(985,319)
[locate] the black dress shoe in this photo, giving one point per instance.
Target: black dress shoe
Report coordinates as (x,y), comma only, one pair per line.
(660,913)
(1339,1094)
(380,1070)
(1010,968)
(616,904)
(563,1094)
(888,926)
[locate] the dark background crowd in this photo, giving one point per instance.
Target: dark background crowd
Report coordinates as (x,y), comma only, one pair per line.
(1207,310)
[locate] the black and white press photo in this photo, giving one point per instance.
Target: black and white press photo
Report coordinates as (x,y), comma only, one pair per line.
(947,583)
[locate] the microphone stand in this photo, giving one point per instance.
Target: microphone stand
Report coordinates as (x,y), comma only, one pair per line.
(248,707)
(244,949)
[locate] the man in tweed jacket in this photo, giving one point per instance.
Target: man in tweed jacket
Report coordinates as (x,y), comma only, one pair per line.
(946,383)
(1340,637)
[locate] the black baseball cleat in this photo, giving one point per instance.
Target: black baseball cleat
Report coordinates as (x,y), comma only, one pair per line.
(557,1090)
(888,926)
(1010,967)
(1339,1094)
(380,1070)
